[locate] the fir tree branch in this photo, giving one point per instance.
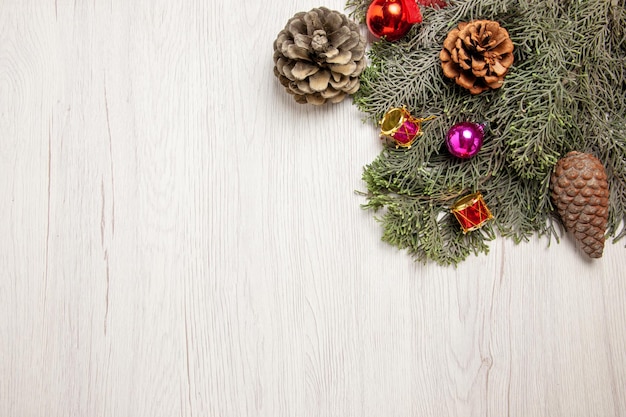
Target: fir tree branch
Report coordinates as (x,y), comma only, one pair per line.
(566,91)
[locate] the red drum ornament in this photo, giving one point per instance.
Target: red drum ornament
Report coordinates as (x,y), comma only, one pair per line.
(399,126)
(471,212)
(392,19)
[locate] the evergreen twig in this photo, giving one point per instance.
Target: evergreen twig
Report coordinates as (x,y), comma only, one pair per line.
(566,91)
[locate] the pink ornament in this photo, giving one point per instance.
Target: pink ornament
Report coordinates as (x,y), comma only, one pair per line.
(465,139)
(400,126)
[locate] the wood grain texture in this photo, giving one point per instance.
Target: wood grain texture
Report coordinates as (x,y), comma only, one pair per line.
(178,237)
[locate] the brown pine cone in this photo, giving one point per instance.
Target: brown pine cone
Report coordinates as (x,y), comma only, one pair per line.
(477,55)
(319,56)
(580,191)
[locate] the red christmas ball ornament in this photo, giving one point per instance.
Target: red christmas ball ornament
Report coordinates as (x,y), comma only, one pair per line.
(392,18)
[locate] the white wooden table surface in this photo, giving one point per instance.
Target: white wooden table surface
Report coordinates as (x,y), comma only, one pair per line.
(179,237)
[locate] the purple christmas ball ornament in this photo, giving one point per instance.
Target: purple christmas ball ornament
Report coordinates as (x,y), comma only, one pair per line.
(465,139)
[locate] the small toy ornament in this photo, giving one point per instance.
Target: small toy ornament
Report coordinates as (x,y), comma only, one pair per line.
(465,139)
(471,212)
(401,127)
(392,18)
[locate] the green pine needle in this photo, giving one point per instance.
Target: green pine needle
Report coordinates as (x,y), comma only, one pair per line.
(566,91)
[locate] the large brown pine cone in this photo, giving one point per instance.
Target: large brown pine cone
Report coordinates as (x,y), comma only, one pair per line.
(477,55)
(580,191)
(319,56)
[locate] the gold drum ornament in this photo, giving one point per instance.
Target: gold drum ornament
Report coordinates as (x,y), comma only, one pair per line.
(401,127)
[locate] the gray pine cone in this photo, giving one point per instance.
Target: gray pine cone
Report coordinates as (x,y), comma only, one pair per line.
(319,56)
